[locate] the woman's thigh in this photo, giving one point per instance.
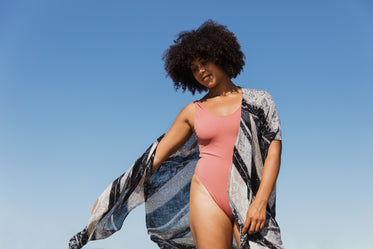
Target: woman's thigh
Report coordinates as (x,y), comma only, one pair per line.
(210,226)
(236,233)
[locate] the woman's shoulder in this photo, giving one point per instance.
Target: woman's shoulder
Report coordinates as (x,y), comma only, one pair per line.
(189,110)
(254,92)
(255,96)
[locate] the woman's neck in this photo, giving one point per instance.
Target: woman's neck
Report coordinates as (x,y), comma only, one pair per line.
(222,89)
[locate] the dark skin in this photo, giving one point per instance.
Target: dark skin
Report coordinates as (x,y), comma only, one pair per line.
(210,226)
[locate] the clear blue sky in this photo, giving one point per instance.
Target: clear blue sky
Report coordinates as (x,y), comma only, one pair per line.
(83,92)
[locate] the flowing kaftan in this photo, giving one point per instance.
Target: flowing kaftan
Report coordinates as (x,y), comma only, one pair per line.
(166,190)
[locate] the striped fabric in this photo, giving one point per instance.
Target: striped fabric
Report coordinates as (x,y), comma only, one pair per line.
(166,190)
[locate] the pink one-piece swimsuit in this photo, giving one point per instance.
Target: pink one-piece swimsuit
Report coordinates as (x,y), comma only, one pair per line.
(216,136)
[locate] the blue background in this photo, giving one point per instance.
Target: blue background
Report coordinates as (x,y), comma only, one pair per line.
(83,93)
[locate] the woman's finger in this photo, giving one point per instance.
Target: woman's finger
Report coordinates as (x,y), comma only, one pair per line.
(252,227)
(246,225)
(262,225)
(258,227)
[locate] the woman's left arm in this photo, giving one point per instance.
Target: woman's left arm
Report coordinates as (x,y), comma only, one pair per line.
(256,215)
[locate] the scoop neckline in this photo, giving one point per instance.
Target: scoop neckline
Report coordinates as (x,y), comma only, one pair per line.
(230,114)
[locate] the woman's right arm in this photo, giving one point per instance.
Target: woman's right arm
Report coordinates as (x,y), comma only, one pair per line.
(178,134)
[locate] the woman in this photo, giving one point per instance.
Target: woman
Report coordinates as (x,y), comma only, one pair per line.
(215,57)
(239,141)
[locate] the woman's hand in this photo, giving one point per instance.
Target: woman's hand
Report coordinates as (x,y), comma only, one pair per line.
(255,217)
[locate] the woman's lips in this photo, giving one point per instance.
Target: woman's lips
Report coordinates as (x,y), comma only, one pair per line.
(206,77)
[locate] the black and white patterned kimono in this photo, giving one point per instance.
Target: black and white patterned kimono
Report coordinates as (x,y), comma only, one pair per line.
(166,190)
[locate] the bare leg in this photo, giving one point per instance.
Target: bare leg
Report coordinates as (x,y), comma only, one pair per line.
(236,233)
(210,226)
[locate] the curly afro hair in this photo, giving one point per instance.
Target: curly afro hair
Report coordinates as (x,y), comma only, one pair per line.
(212,42)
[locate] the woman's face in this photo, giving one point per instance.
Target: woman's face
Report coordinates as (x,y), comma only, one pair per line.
(207,73)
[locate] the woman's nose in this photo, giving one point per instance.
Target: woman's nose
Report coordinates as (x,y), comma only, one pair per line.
(201,69)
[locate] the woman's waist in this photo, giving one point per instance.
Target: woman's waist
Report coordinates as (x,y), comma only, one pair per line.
(215,154)
(213,165)
(212,157)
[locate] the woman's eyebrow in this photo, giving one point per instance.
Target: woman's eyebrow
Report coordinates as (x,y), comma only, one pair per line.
(199,60)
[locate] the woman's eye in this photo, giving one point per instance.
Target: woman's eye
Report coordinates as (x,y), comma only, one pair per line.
(204,63)
(194,69)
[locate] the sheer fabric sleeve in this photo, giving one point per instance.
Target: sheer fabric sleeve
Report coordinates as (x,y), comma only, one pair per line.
(272,129)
